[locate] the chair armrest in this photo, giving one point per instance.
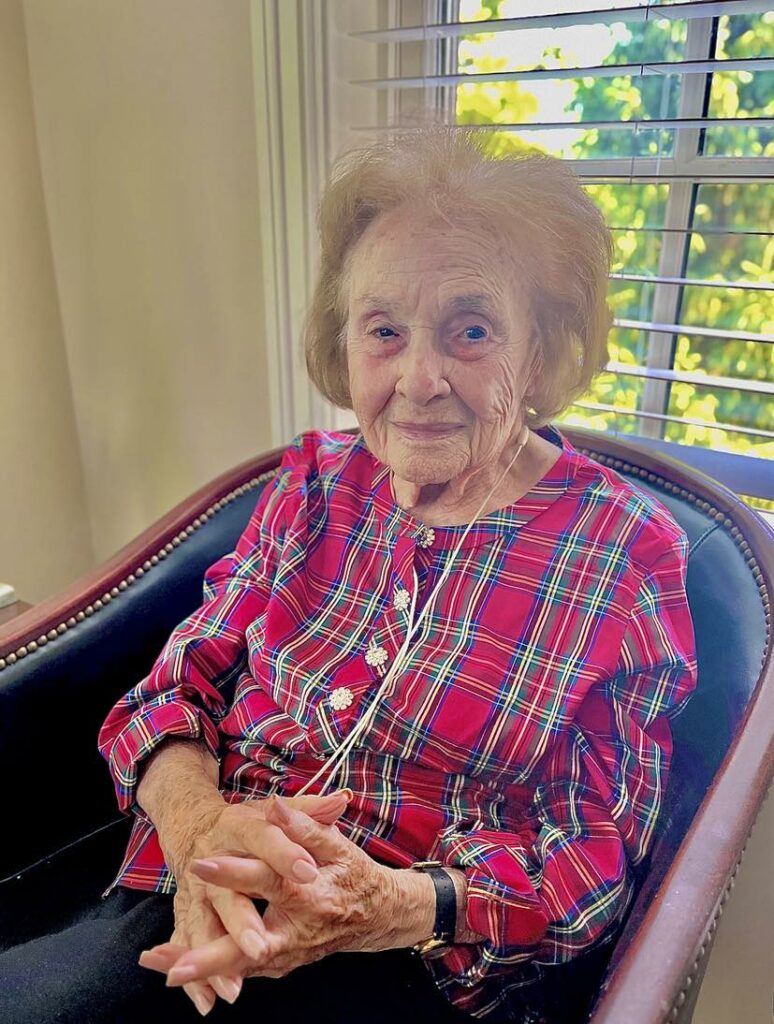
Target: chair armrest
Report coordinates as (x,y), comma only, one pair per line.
(65,663)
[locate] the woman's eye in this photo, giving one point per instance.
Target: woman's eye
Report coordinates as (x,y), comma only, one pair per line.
(475,333)
(384,332)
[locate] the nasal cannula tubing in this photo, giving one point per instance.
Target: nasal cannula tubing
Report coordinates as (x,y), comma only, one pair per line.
(332,764)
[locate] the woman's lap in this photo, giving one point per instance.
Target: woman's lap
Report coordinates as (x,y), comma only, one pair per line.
(88,971)
(88,974)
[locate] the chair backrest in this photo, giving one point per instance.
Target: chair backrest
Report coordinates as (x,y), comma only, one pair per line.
(729,616)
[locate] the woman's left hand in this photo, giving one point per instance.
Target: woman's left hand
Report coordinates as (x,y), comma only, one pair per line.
(355,904)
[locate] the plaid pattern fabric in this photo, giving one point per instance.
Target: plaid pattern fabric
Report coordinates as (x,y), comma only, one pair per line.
(527,739)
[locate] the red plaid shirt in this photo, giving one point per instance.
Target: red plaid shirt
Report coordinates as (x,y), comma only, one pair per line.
(527,739)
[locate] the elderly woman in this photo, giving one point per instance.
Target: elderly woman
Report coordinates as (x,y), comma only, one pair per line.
(425,705)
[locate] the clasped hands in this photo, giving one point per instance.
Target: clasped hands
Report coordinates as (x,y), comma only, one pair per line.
(323,894)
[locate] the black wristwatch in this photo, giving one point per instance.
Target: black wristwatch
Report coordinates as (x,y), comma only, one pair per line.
(445,909)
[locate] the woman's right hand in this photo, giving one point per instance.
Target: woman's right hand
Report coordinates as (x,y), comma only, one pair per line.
(178,791)
(238,829)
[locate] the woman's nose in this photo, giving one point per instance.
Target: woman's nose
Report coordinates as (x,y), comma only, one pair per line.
(421,374)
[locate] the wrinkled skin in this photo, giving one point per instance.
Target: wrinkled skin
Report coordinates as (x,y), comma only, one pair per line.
(348,907)
(245,830)
(441,360)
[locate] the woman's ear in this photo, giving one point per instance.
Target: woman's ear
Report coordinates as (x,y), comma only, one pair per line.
(536,366)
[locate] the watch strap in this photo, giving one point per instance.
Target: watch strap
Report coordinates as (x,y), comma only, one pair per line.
(445,908)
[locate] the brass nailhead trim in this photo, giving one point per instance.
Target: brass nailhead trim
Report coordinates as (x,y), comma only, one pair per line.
(139,572)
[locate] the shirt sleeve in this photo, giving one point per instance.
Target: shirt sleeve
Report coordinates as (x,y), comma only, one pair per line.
(190,686)
(558,885)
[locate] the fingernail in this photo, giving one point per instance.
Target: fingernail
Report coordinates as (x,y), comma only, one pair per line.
(281,810)
(149,957)
(180,975)
(303,871)
(210,866)
(202,1002)
(340,794)
(252,943)
(225,987)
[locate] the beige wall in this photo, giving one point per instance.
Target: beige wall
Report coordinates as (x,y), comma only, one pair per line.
(145,124)
(739,985)
(45,536)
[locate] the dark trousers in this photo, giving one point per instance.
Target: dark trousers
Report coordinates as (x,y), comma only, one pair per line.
(67,956)
(87,973)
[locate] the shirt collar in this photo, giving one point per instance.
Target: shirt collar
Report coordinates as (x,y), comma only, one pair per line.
(543,494)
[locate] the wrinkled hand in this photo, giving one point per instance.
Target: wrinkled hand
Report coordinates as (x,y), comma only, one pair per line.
(205,913)
(349,906)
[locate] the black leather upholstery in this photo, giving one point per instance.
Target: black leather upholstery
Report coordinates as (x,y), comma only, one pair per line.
(728,619)
(53,702)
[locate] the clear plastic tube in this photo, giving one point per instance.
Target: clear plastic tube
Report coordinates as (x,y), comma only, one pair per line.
(332,764)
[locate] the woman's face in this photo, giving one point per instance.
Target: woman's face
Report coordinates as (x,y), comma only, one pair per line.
(438,346)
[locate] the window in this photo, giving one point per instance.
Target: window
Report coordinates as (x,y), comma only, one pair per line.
(666,111)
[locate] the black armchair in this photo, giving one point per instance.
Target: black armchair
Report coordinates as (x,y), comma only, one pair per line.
(65,662)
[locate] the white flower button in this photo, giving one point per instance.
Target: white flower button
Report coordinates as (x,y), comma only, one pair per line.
(376,657)
(341,698)
(401,600)
(426,537)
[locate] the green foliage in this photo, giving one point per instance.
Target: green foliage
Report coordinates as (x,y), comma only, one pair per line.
(711,256)
(741,93)
(495,103)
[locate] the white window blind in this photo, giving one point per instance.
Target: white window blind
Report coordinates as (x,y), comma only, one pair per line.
(666,112)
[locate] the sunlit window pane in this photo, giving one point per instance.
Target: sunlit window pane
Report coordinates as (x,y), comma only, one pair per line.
(742,94)
(619,99)
(635,213)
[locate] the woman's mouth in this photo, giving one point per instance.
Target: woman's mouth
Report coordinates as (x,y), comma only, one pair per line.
(426,431)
